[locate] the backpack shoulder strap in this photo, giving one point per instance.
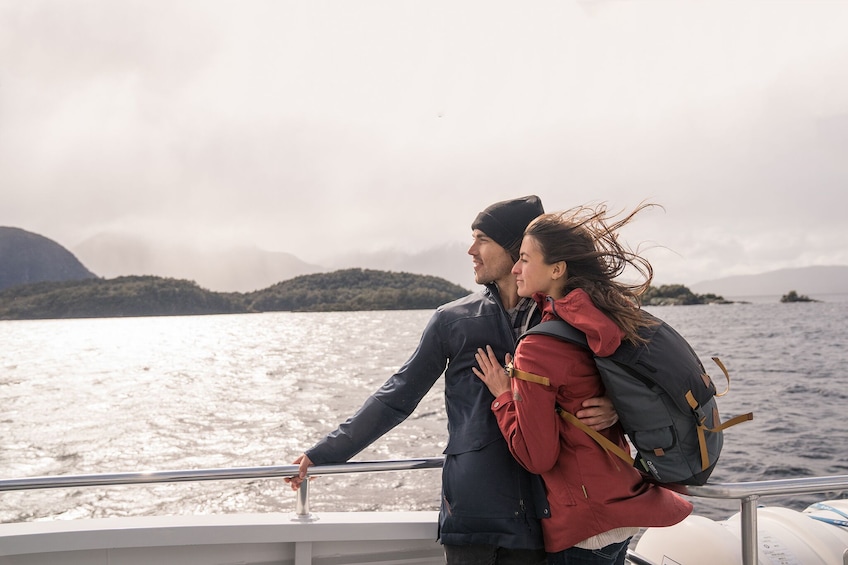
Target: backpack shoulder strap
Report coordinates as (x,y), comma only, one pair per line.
(560,329)
(608,445)
(557,328)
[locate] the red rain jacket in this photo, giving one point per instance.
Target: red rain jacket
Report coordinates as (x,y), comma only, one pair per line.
(589,490)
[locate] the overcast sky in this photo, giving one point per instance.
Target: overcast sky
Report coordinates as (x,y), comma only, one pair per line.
(319,128)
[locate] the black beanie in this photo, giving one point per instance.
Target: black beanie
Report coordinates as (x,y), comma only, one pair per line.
(506,221)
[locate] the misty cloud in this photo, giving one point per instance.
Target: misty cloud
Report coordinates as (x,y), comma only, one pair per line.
(323,130)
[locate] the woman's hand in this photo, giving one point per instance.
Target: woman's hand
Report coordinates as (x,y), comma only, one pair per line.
(491,372)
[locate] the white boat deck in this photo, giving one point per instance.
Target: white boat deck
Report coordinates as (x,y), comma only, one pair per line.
(334,538)
(816,537)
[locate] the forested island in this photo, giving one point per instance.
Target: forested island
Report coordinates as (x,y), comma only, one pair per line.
(678,295)
(348,289)
(344,290)
(793,296)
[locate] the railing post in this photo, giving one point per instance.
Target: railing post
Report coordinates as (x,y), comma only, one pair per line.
(748,523)
(301,508)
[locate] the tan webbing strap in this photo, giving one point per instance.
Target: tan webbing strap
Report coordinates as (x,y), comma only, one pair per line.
(602,441)
(702,442)
(738,419)
(571,418)
(721,366)
(525,376)
(690,399)
(732,422)
(614,448)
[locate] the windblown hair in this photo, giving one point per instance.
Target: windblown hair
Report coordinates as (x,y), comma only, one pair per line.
(586,239)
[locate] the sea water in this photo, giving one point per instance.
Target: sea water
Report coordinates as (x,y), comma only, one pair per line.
(165,393)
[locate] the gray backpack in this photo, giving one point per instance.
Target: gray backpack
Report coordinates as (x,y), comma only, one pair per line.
(664,399)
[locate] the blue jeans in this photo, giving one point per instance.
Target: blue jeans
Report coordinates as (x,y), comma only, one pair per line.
(613,554)
(492,555)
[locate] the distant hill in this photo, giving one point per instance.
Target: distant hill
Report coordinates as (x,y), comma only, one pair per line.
(356,289)
(817,280)
(113,298)
(350,289)
(27,257)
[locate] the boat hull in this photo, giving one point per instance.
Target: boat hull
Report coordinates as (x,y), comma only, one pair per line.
(784,536)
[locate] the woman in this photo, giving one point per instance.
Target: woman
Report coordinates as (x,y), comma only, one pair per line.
(568,264)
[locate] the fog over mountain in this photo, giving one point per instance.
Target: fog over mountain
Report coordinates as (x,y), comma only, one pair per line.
(246,269)
(450,262)
(814,281)
(250,268)
(236,269)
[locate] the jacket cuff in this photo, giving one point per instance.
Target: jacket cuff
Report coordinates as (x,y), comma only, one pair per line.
(502,400)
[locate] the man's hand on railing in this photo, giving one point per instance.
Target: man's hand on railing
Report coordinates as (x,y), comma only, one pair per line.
(304,462)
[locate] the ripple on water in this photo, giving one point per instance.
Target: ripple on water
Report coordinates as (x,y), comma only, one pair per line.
(122,395)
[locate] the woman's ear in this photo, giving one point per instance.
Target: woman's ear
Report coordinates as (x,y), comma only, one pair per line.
(559,270)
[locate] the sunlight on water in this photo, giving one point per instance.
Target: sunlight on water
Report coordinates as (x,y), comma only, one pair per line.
(131,394)
(128,394)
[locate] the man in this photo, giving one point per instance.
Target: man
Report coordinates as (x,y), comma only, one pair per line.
(491,506)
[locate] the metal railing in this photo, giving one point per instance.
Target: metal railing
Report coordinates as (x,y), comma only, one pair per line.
(196,475)
(748,493)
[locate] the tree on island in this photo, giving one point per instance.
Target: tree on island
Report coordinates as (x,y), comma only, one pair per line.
(677,295)
(793,296)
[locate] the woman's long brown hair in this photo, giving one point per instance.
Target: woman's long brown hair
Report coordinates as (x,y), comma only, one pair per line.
(586,239)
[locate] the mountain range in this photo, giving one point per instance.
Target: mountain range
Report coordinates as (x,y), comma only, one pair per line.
(815,281)
(248,269)
(27,257)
